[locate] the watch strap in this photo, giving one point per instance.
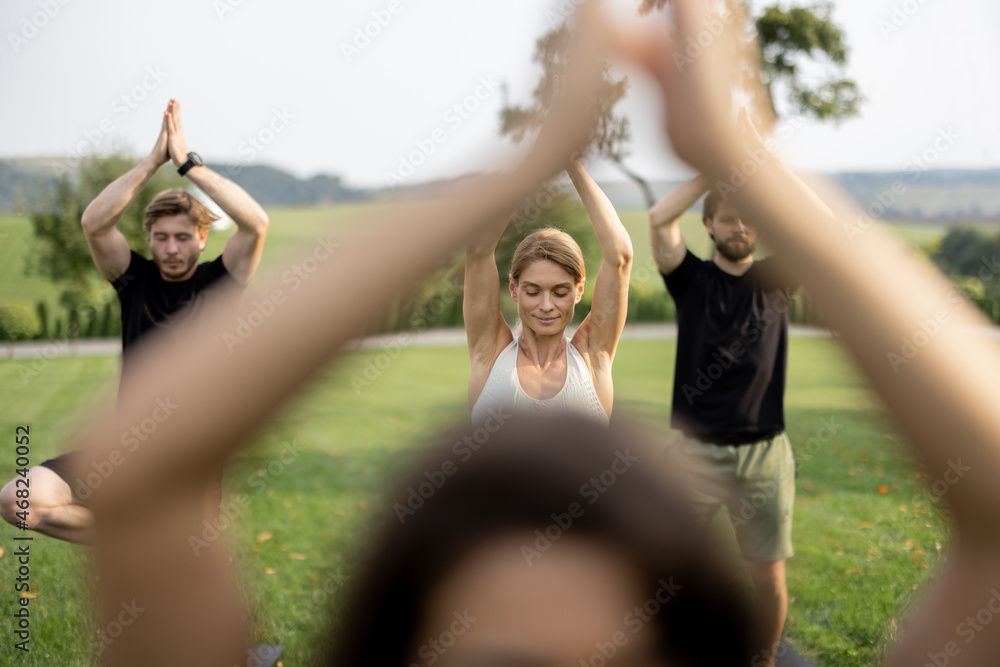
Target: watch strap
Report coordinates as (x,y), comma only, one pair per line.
(193,160)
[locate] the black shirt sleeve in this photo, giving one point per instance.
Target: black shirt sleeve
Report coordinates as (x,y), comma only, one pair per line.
(137,264)
(678,280)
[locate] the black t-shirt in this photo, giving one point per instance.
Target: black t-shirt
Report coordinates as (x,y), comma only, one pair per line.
(148,301)
(732,351)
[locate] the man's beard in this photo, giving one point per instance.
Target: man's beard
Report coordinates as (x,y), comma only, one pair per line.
(736,251)
(185,265)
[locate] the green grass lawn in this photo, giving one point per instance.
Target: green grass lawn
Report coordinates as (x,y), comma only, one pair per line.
(865,535)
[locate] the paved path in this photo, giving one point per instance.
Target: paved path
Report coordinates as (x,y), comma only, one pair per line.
(429,338)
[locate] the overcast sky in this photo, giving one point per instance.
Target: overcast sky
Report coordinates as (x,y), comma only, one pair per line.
(286,83)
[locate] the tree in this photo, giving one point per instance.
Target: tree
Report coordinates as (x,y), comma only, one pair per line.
(791,42)
(967,251)
(969,256)
(18,320)
(60,253)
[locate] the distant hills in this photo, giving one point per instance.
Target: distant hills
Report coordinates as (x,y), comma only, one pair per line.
(938,196)
(933,196)
(22,178)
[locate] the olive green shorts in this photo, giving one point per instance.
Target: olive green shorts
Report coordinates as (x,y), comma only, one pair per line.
(756,483)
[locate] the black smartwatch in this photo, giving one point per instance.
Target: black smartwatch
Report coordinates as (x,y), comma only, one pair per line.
(194,160)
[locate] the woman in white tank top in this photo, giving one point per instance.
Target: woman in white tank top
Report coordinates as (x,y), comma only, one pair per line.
(542,369)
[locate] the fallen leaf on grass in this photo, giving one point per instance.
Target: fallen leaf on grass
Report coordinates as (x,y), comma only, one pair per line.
(864,456)
(264,537)
(882,489)
(852,571)
(297,556)
(269,570)
(864,525)
(26,594)
(807,486)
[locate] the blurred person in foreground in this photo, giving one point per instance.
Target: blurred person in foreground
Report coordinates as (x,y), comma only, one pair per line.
(873,291)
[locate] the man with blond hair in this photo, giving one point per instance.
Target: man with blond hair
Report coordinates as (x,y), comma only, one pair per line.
(154,293)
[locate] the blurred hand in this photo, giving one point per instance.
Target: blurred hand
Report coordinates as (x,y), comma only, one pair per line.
(573,111)
(748,131)
(696,67)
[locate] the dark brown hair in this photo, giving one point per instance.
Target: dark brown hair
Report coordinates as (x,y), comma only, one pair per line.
(524,472)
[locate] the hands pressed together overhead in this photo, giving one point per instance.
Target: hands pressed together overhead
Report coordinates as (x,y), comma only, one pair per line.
(170,144)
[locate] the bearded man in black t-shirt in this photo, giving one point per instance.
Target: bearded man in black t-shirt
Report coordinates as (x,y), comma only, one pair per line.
(155,294)
(729,385)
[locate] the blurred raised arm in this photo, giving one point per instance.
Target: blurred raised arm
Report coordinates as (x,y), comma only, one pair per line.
(149,512)
(880,297)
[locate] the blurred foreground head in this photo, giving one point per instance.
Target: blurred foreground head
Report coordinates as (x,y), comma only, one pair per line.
(551,541)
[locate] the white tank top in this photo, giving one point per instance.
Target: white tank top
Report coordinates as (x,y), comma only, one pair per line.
(503,389)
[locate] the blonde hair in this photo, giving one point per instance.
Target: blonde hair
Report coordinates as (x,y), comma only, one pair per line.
(175,202)
(551,244)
